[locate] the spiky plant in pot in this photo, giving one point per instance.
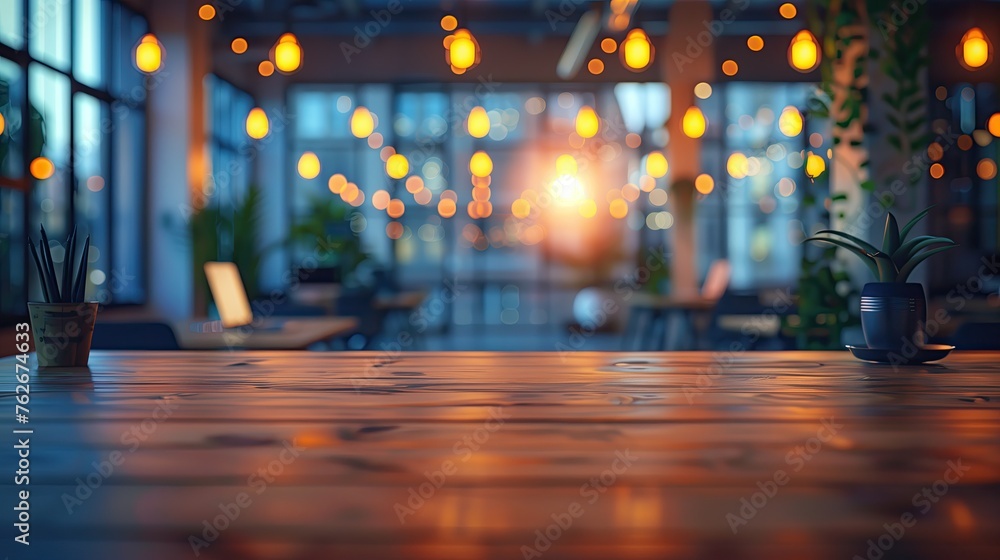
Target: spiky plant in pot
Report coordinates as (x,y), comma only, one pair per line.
(893,311)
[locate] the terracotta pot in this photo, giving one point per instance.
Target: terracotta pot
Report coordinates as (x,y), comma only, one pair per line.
(63,332)
(893,314)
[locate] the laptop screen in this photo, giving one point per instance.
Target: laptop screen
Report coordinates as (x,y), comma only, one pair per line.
(229,294)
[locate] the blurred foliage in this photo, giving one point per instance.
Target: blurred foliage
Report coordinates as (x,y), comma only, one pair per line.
(325,232)
(826,295)
(230,233)
(12,128)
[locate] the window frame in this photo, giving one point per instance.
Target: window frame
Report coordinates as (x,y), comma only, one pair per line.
(26,185)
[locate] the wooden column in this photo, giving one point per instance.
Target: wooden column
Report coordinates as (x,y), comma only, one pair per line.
(686,58)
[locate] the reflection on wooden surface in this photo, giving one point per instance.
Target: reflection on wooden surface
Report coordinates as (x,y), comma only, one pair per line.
(502,455)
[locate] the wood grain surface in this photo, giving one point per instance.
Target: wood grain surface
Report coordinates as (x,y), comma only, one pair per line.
(509,455)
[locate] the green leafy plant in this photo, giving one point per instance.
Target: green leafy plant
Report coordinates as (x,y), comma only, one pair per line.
(325,230)
(898,257)
(230,233)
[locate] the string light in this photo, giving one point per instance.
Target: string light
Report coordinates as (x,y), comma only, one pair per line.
(257,124)
(587,122)
(790,122)
(362,122)
(694,123)
(308,166)
(656,165)
(478,123)
(41,168)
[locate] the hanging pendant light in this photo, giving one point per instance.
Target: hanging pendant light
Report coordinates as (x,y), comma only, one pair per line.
(636,50)
(461,51)
(148,54)
(694,123)
(974,51)
(362,122)
(478,123)
(803,51)
(587,122)
(257,124)
(287,54)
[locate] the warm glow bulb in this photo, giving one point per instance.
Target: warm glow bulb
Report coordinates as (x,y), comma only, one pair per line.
(41,168)
(587,122)
(206,12)
(815,165)
(566,165)
(287,54)
(462,52)
(803,52)
(362,123)
(656,165)
(449,23)
(148,54)
(478,123)
(480,165)
(3,123)
(974,51)
(694,123)
(309,166)
(636,50)
(446,207)
(239,45)
(790,121)
(257,124)
(397,166)
(704,183)
(618,208)
(738,166)
(993,125)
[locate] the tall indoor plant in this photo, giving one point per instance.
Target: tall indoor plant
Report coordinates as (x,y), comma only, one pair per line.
(893,311)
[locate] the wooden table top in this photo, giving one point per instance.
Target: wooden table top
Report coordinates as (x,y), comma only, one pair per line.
(509,455)
(296,334)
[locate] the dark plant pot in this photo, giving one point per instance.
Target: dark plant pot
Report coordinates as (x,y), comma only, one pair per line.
(63,332)
(893,314)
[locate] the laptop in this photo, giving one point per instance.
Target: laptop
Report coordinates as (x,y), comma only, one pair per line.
(231,299)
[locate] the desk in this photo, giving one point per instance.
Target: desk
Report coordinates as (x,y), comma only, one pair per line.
(296,334)
(402,301)
(647,327)
(344,442)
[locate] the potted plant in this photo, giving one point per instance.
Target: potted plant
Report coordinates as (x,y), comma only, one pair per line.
(63,324)
(893,311)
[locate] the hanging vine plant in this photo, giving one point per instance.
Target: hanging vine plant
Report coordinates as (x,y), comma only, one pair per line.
(845,28)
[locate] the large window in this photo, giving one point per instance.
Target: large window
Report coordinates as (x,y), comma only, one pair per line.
(69,94)
(524,247)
